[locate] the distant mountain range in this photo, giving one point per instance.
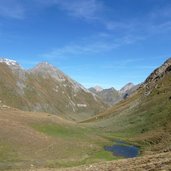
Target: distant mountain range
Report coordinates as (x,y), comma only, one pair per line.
(145,116)
(38,140)
(111,96)
(47,89)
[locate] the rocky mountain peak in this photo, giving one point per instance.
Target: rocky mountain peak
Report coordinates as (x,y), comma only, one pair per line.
(46,89)
(98,88)
(126,88)
(13,65)
(44,65)
(156,75)
(109,96)
(45,69)
(159,72)
(112,88)
(8,61)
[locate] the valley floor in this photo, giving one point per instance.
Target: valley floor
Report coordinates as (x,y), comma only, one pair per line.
(156,162)
(36,141)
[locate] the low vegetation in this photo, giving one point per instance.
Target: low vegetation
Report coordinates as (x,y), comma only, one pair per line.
(44,140)
(39,140)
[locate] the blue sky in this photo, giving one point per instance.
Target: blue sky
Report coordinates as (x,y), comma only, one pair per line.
(96,42)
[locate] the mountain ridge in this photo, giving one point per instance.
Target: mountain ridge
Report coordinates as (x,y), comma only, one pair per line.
(49,141)
(112,96)
(45,88)
(144,117)
(157,74)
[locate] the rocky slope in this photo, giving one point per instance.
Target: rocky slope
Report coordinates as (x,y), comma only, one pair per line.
(158,74)
(127,90)
(96,89)
(46,89)
(145,116)
(111,96)
(41,141)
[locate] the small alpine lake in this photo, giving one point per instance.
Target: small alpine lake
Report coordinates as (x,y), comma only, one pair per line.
(123,149)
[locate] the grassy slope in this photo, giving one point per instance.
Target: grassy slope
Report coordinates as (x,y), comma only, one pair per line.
(45,140)
(157,162)
(143,119)
(33,92)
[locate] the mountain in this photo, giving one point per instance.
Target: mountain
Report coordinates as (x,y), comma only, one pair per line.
(109,96)
(35,140)
(98,88)
(152,82)
(144,117)
(43,141)
(127,90)
(45,89)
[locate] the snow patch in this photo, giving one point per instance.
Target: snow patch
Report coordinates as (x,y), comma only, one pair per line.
(8,61)
(98,88)
(81,105)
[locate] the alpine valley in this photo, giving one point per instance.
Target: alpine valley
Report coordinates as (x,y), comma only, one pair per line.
(50,122)
(46,89)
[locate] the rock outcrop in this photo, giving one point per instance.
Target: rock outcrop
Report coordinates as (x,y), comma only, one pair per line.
(152,81)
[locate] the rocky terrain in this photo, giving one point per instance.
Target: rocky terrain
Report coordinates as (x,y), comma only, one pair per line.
(109,96)
(127,90)
(46,89)
(145,116)
(36,141)
(152,81)
(112,96)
